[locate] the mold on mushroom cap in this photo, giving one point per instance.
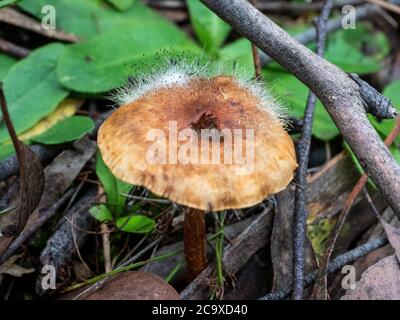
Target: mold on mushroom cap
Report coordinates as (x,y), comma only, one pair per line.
(220,102)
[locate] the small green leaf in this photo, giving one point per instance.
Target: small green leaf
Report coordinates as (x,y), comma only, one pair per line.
(210,29)
(136,224)
(66,130)
(121,4)
(101,213)
(113,187)
(6,63)
(32,89)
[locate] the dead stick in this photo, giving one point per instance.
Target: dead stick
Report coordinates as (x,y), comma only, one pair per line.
(303,151)
(44,217)
(338,92)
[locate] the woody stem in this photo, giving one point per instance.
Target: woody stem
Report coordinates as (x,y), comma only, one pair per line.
(194,242)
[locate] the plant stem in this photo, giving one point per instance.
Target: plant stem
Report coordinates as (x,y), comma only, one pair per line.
(194,242)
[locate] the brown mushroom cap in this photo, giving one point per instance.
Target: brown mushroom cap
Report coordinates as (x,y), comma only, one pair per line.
(130,285)
(217,103)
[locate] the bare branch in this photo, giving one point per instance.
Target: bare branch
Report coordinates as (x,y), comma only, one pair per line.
(338,92)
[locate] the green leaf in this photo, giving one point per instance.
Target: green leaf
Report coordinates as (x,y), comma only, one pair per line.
(32,89)
(292,93)
(121,4)
(87,18)
(136,224)
(104,62)
(5,3)
(384,127)
(6,62)
(209,28)
(67,130)
(349,56)
(101,213)
(113,187)
(240,52)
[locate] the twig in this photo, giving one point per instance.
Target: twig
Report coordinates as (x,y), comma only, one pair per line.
(335,265)
(106,246)
(12,49)
(21,20)
(269,6)
(386,5)
(95,286)
(131,196)
(337,91)
(320,289)
(44,217)
(303,151)
(256,55)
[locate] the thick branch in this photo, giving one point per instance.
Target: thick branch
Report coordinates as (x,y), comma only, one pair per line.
(338,92)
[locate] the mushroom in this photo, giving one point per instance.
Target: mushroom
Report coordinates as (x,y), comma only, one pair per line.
(129,285)
(155,139)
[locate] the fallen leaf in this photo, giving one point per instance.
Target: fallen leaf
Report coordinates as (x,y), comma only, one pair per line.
(31,180)
(11,268)
(129,285)
(393,235)
(379,282)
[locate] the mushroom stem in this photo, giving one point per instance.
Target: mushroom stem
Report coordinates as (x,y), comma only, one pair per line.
(194,242)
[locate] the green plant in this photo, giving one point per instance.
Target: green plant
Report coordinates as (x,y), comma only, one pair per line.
(114,208)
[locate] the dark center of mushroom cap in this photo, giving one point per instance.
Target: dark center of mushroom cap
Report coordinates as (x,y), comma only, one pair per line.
(205,120)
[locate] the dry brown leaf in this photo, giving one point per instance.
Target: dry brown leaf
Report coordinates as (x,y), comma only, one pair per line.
(393,235)
(11,268)
(379,282)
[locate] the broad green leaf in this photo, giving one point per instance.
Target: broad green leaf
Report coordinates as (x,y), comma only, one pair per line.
(113,187)
(6,62)
(104,62)
(384,127)
(65,109)
(210,29)
(292,93)
(348,56)
(32,89)
(87,18)
(67,130)
(136,224)
(121,4)
(101,213)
